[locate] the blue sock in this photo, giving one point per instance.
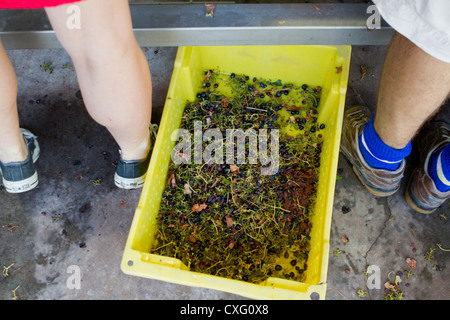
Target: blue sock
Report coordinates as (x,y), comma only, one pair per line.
(439,169)
(378,154)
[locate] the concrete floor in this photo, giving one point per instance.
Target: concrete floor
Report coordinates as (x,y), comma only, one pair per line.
(69,220)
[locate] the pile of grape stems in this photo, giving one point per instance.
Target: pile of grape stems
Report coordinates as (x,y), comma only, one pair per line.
(227,219)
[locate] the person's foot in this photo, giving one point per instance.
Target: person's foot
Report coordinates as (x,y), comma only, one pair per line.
(379,182)
(421,192)
(130,174)
(21,176)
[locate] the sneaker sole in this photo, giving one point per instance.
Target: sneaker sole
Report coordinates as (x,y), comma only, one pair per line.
(23,185)
(129,183)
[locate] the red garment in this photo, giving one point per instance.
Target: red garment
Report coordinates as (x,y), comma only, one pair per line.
(32,4)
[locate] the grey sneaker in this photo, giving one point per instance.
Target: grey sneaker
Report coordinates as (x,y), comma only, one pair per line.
(379,182)
(421,192)
(131,174)
(21,176)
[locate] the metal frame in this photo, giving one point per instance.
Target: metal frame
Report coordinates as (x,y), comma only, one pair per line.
(230,24)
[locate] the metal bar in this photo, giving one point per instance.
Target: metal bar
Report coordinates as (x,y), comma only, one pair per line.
(231,24)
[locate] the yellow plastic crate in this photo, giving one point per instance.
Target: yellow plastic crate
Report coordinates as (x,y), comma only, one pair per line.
(325,66)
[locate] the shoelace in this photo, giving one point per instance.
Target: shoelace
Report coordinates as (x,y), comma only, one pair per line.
(153,131)
(27,134)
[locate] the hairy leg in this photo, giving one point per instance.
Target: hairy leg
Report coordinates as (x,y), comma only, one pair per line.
(412,89)
(112,70)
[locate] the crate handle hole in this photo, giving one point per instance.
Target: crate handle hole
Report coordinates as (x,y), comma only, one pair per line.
(130,263)
(314,296)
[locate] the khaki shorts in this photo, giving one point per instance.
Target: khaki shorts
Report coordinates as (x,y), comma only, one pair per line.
(426,23)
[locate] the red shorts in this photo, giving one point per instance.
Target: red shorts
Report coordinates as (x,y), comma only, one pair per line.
(32,4)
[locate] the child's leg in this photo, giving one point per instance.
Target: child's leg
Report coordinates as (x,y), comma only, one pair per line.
(12,144)
(112,70)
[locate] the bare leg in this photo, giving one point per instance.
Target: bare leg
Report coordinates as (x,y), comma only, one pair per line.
(12,144)
(112,71)
(413,87)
